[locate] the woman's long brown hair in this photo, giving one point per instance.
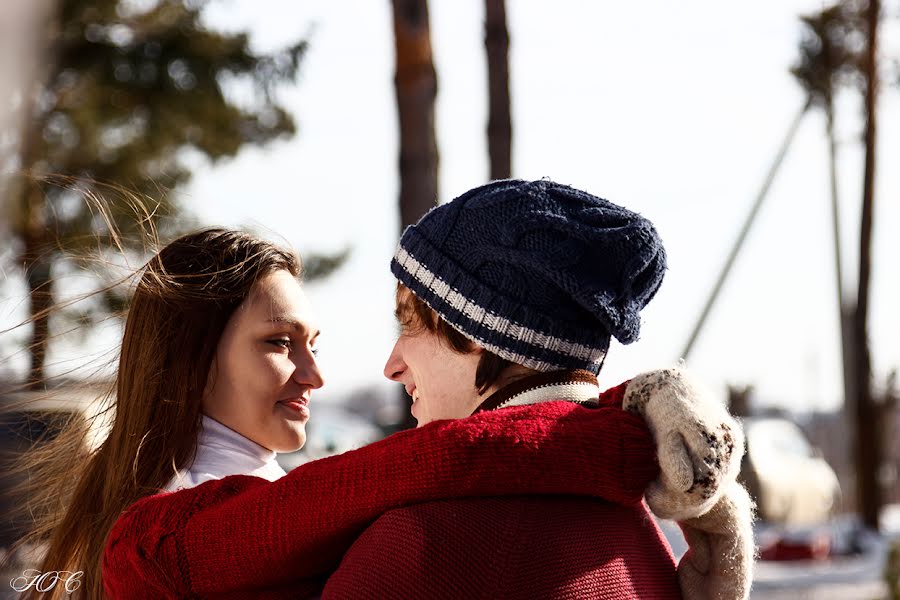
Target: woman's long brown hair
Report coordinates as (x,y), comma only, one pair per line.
(185,296)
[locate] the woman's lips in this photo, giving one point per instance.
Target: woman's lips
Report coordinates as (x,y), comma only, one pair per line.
(298,406)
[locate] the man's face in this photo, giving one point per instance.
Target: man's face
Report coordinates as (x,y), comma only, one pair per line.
(440,380)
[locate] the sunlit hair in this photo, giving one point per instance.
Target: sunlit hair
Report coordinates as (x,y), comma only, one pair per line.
(184,297)
(414,314)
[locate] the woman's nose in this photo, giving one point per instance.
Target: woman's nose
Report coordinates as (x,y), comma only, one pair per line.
(308,373)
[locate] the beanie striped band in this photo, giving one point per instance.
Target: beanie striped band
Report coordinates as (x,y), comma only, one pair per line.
(487,322)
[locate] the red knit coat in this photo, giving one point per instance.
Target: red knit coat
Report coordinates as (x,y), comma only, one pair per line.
(244,537)
(515,548)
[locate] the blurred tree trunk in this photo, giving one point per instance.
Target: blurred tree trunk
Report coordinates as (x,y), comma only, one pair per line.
(416,86)
(37,268)
(496,41)
(415,82)
(868,426)
(740,400)
(826,62)
(36,255)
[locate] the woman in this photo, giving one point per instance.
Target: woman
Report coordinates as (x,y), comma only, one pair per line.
(219,340)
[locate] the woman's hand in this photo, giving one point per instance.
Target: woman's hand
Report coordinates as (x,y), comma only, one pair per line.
(699,445)
(699,449)
(719,562)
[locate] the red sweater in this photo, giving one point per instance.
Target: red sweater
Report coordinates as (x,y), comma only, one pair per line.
(244,537)
(514,548)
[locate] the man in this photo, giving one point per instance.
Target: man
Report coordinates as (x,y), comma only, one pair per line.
(509,296)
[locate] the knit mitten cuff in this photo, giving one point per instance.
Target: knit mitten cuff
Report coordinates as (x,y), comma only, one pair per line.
(719,563)
(699,445)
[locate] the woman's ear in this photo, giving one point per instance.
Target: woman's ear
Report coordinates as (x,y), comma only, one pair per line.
(210,386)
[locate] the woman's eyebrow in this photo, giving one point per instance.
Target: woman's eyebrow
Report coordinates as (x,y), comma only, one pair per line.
(295,323)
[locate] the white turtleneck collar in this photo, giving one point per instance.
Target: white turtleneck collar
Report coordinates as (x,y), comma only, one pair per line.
(221,451)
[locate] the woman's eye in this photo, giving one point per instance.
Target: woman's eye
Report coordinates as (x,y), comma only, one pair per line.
(287,344)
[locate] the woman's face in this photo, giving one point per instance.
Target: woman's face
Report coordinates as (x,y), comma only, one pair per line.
(265,366)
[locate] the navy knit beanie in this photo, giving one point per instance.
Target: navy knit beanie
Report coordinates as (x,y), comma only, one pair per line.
(539,273)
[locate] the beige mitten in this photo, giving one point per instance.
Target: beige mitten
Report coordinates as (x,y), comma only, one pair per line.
(719,562)
(699,445)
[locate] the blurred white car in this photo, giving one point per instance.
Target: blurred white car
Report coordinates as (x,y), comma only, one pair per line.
(791,483)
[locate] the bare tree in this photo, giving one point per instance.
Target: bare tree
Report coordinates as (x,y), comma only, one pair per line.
(415,82)
(869,439)
(496,41)
(416,86)
(827,63)
(828,60)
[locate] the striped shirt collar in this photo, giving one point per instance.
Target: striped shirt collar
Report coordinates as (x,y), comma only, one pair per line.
(572,385)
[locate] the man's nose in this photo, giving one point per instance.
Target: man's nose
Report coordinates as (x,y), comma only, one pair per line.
(395,366)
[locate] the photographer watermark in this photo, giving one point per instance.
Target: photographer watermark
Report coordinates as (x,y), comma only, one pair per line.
(44,582)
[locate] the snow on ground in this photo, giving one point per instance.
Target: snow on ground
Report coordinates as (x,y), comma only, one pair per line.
(854,577)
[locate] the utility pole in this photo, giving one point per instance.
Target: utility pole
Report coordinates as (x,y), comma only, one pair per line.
(748,223)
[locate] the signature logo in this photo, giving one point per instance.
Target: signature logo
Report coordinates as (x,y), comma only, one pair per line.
(44,582)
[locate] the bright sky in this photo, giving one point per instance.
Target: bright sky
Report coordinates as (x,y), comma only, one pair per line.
(674,110)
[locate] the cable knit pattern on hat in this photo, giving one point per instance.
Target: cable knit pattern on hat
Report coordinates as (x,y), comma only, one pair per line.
(537,272)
